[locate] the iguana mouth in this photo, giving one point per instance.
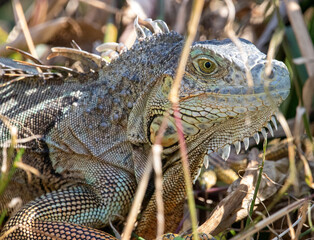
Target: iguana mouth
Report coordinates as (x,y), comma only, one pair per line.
(239,91)
(224,119)
(225,151)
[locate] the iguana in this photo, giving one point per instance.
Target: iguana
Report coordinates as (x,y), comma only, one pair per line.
(95,128)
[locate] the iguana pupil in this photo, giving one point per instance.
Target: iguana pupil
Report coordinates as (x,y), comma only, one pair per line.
(207,64)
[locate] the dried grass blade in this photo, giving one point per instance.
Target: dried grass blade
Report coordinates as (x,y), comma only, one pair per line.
(20,14)
(174,99)
(25,54)
(260,225)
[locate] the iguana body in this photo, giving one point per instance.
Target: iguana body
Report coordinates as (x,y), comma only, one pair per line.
(97,129)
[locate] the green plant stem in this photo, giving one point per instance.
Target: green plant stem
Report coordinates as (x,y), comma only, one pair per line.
(258,182)
(5,178)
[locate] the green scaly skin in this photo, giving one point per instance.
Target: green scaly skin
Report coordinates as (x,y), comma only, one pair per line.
(96,130)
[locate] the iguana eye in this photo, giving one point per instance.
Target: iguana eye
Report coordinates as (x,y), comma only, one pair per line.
(206,66)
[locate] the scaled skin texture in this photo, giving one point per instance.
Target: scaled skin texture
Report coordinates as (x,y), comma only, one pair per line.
(96,130)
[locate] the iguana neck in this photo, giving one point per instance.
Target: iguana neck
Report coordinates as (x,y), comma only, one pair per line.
(131,75)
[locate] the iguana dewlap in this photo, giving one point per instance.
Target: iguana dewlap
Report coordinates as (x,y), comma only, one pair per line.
(96,128)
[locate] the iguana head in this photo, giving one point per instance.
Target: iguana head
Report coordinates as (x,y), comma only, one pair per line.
(217,106)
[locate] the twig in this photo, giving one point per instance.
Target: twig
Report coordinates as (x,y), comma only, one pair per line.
(301,33)
(306,48)
(293,225)
(272,25)
(267,221)
(42,33)
(275,41)
(157,150)
(138,198)
(181,17)
(25,54)
(20,14)
(5,166)
(298,131)
(7,233)
(192,28)
(231,34)
(302,214)
(273,46)
(291,229)
(234,206)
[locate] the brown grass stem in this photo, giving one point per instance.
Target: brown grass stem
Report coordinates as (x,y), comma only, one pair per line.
(300,219)
(301,33)
(260,225)
(306,48)
(157,164)
(186,171)
(174,98)
(191,32)
(21,17)
(138,199)
(231,34)
(140,193)
(275,42)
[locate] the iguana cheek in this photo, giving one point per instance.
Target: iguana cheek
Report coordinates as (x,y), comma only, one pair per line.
(170,136)
(166,86)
